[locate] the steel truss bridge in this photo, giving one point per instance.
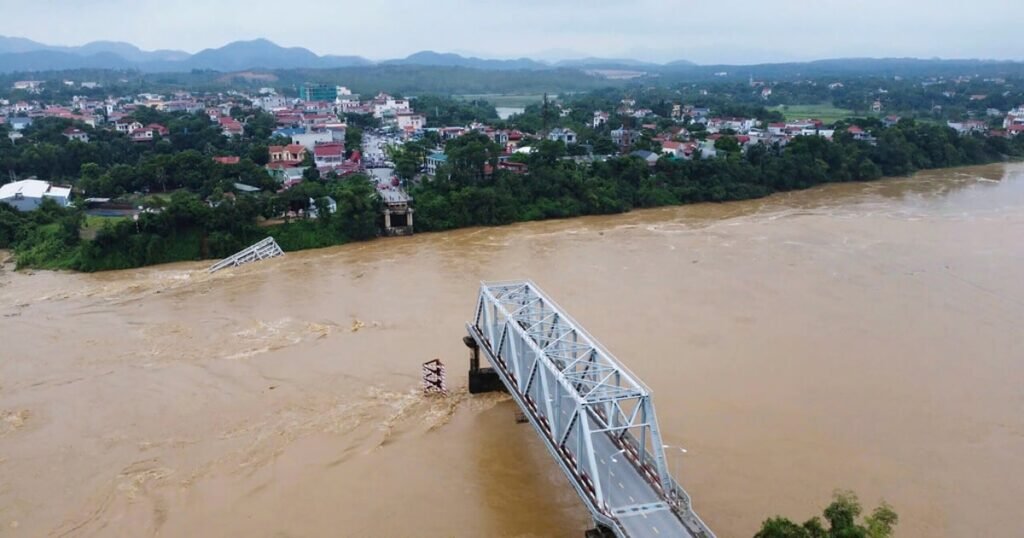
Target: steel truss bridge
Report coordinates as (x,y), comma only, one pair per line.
(595,417)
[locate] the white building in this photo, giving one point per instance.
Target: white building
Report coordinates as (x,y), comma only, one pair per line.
(434,161)
(28,194)
(410,120)
(30,85)
(968,126)
(385,105)
(739,125)
(127,126)
(76,134)
(567,136)
(329,203)
(312,138)
(270,102)
(1014,117)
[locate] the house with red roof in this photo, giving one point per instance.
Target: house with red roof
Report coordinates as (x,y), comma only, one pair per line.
(860,134)
(227,159)
(513,166)
(230,126)
(149,133)
(287,118)
(674,148)
(1013,118)
(318,120)
(127,125)
(329,154)
(143,135)
(890,121)
(290,155)
(342,169)
(76,134)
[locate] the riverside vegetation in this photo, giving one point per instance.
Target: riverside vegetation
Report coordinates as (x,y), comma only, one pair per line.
(191,212)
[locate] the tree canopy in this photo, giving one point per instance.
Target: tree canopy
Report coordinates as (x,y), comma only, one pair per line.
(841,516)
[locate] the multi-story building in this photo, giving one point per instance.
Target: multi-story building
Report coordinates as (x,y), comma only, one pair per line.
(410,121)
(318,92)
(385,105)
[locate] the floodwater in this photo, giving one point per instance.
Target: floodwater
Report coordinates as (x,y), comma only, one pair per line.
(861,336)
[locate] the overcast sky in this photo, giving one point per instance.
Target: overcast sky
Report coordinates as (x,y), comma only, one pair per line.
(737,31)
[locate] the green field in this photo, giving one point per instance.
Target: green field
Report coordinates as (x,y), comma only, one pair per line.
(505,100)
(824,112)
(93,223)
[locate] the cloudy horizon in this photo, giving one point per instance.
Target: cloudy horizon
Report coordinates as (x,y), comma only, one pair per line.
(648,30)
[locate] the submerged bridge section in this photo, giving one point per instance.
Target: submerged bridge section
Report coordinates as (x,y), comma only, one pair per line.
(267,248)
(595,417)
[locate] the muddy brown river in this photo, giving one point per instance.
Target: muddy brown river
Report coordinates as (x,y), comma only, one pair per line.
(861,336)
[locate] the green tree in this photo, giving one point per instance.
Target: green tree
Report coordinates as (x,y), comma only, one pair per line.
(728,144)
(468,155)
(353,139)
(842,516)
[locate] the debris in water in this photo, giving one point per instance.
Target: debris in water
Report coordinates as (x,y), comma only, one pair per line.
(11,421)
(357,324)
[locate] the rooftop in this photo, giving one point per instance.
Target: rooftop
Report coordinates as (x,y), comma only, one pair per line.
(32,188)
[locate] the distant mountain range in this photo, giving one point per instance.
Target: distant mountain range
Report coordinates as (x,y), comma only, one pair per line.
(20,54)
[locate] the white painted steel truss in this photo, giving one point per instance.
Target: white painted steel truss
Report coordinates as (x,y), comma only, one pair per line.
(577,395)
(261,250)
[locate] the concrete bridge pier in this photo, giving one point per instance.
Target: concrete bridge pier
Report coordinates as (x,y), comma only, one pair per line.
(481,380)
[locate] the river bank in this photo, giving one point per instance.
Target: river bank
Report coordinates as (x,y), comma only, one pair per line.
(857,335)
(49,246)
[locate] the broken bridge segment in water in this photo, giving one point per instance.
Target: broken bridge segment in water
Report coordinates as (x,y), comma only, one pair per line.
(595,416)
(267,248)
